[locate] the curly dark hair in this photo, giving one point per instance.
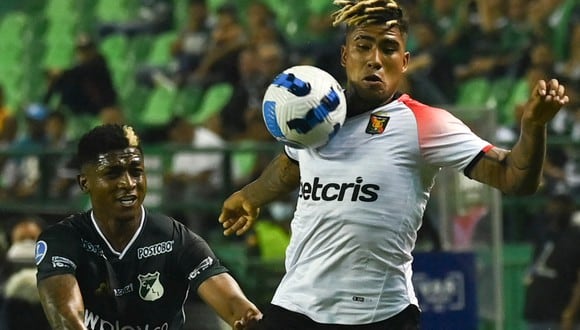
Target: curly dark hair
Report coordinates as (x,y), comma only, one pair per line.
(103,139)
(360,12)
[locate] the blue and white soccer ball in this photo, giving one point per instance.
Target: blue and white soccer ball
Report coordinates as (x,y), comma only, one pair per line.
(304,107)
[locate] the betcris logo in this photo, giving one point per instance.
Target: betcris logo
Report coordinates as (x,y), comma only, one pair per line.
(339,191)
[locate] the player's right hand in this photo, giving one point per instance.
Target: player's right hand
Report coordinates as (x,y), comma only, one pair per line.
(249,321)
(237,215)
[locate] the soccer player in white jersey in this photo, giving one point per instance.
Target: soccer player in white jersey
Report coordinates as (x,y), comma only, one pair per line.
(362,196)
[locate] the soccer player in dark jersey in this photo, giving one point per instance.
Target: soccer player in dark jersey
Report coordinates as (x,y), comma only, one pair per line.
(361,197)
(119,266)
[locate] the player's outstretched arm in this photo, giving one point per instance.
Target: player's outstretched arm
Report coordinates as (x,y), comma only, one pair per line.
(519,171)
(62,302)
(241,209)
(225,296)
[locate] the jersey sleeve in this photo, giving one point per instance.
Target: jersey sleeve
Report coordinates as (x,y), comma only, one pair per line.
(445,140)
(196,261)
(292,153)
(57,251)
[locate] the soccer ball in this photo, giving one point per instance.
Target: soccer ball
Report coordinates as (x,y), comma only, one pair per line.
(304,107)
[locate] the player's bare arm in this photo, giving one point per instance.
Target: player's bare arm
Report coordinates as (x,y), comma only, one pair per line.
(225,296)
(242,208)
(62,302)
(519,171)
(572,311)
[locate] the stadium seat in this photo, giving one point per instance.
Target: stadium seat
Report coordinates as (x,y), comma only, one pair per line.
(139,48)
(10,56)
(115,47)
(14,23)
(213,5)
(159,107)
(133,99)
(519,94)
(11,81)
(62,11)
(213,101)
(58,55)
(473,93)
(160,53)
(243,161)
(188,100)
(499,93)
(111,11)
(14,34)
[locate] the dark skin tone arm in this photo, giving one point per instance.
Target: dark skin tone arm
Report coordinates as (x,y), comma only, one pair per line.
(225,296)
(519,171)
(241,209)
(62,302)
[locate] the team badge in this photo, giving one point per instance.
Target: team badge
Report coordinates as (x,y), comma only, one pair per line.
(377,124)
(150,288)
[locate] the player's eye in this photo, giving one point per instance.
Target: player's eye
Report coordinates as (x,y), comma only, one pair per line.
(363,46)
(136,172)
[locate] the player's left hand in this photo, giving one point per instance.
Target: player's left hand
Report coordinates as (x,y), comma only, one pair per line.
(547,98)
(238,214)
(248,321)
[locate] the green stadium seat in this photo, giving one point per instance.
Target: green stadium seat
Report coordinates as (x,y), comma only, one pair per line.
(188,100)
(80,124)
(58,55)
(473,93)
(213,101)
(14,23)
(499,93)
(12,83)
(10,56)
(139,48)
(59,32)
(62,11)
(243,161)
(111,11)
(519,94)
(133,98)
(159,107)
(213,5)
(115,47)
(160,53)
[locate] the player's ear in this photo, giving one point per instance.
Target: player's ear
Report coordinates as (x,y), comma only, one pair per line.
(82,182)
(343,56)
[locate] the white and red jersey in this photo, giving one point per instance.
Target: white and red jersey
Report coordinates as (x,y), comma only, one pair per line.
(360,204)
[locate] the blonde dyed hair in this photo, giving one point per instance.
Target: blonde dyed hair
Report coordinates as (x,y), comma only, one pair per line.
(358,12)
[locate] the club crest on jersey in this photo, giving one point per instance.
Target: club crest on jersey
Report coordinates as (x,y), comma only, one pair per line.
(377,124)
(150,288)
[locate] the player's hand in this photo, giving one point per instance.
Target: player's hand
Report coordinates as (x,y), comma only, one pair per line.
(547,98)
(248,321)
(237,215)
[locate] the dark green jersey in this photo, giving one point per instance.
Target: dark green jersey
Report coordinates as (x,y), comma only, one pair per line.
(142,287)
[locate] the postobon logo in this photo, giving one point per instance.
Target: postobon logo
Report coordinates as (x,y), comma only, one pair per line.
(150,288)
(155,249)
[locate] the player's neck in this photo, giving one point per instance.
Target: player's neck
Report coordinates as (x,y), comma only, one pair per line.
(118,232)
(357,105)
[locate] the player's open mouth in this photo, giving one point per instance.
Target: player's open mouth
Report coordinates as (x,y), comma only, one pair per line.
(372,79)
(128,200)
